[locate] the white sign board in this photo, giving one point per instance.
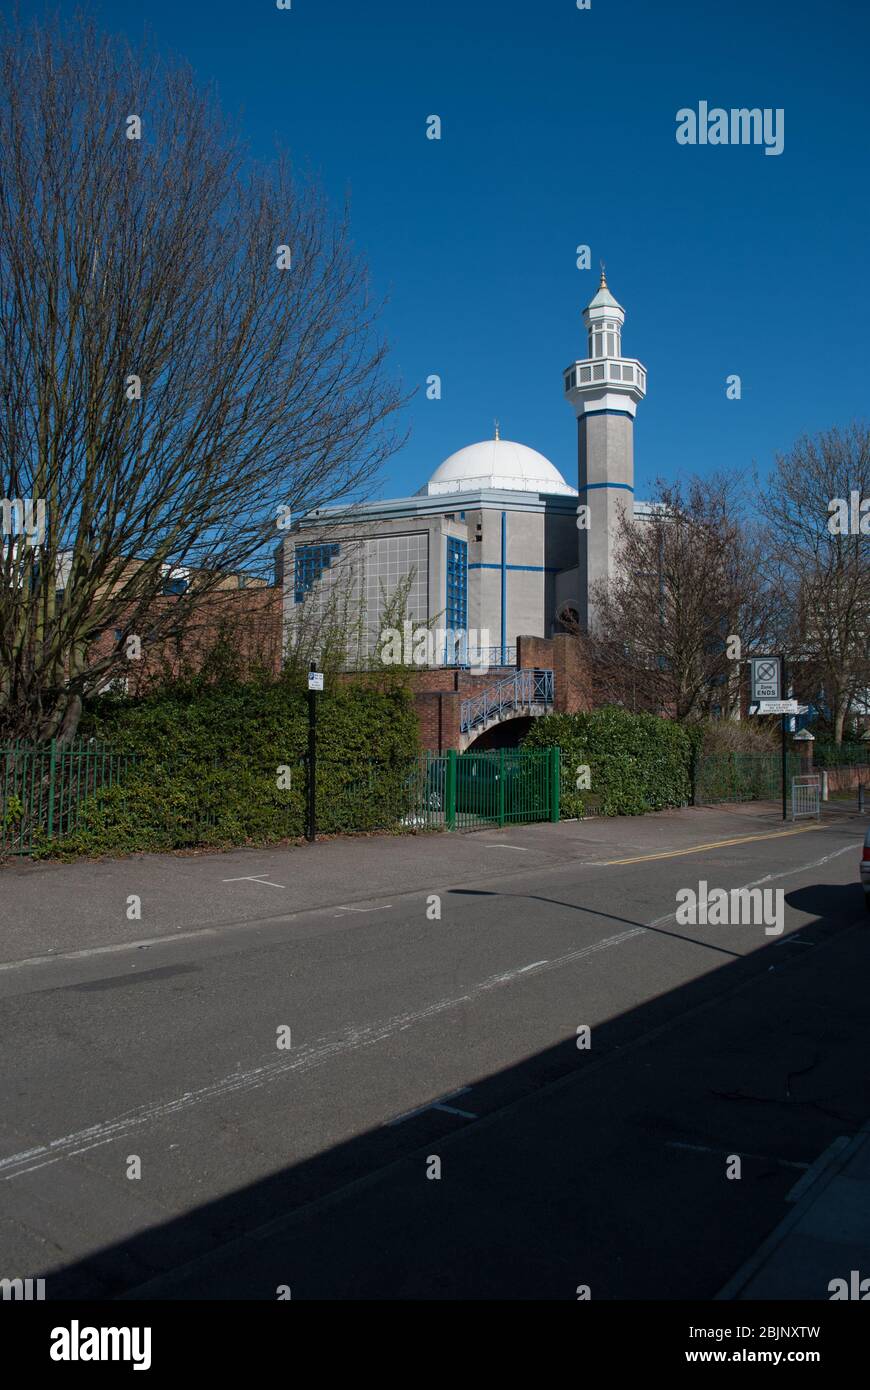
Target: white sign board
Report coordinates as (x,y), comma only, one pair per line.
(315,680)
(766,674)
(779,707)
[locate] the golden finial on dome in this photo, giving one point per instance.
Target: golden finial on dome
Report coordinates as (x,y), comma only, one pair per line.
(496,429)
(603,285)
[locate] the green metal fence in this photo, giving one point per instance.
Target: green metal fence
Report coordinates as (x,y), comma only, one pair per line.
(741,777)
(44,787)
(841,755)
(119,802)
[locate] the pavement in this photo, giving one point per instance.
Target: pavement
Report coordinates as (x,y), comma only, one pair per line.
(437,1127)
(828,1230)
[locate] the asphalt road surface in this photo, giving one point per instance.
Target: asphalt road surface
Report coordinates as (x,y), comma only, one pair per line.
(351,1070)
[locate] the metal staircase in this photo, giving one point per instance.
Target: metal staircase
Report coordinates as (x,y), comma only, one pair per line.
(526,692)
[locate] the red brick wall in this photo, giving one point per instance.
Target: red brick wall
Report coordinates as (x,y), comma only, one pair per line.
(842,779)
(438,694)
(438,715)
(563,656)
(251,618)
(535,653)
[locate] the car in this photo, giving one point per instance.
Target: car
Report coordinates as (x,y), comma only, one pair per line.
(865,870)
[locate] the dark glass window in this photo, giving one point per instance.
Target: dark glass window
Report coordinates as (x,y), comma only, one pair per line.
(310,562)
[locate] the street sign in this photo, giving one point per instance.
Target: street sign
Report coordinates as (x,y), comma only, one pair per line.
(766,678)
(779,707)
(315,680)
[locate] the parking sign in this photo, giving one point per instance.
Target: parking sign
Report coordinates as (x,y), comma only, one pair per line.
(766,678)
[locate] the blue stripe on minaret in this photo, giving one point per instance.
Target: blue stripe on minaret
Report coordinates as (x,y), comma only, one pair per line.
(587,487)
(586,413)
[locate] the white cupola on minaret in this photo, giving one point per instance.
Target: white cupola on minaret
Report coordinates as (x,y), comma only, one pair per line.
(604,318)
(605,380)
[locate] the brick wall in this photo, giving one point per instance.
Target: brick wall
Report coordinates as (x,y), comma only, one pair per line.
(438,715)
(251,619)
(842,779)
(439,694)
(563,656)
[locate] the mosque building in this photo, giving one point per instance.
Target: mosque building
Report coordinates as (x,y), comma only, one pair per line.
(496,544)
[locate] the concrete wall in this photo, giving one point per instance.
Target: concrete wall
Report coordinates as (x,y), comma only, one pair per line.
(605,454)
(533,544)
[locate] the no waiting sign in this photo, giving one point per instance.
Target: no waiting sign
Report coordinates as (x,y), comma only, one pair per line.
(766,678)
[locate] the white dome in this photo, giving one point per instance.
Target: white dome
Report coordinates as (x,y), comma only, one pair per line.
(499,464)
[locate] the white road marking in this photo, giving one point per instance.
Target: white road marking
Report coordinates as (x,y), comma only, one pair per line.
(325,1049)
(253,878)
(316,1054)
(764,1158)
(436,1105)
(107,950)
(521,849)
(381,907)
(769,878)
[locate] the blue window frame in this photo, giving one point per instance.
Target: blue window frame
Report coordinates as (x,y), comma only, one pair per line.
(456,610)
(310,561)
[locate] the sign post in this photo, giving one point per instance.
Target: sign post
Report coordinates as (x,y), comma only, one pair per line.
(767,691)
(784,752)
(315,683)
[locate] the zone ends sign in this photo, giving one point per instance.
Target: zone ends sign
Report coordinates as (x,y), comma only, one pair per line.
(766,674)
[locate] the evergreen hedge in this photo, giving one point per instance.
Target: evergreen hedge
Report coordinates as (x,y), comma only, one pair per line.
(207,760)
(637,762)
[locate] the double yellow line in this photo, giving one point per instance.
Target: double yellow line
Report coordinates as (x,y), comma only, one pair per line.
(713,844)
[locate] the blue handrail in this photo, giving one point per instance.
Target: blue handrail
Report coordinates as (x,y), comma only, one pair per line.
(514,692)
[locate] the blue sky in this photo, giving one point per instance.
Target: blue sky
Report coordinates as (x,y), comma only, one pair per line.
(559,130)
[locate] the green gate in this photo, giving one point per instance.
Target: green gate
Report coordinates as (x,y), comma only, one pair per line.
(505,786)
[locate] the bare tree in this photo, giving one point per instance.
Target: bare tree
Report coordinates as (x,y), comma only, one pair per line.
(688,579)
(187,345)
(820,564)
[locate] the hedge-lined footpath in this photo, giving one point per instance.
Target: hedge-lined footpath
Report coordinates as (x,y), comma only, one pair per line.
(208,759)
(637,762)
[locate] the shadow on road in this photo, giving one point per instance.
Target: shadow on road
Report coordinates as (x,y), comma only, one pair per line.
(604,1167)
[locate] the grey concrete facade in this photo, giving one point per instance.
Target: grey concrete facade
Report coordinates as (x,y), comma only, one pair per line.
(506,553)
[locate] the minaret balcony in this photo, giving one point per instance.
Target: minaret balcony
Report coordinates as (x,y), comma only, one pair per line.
(624,374)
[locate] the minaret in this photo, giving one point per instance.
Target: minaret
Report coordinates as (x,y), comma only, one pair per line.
(604,390)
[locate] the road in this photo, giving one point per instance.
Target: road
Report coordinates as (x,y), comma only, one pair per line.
(431,990)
